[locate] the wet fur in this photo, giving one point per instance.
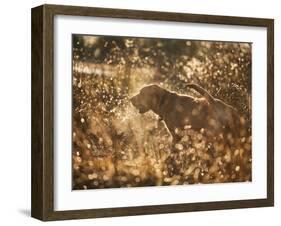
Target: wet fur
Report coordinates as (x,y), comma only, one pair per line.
(179,111)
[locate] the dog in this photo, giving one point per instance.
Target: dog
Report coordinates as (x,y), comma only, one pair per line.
(183,111)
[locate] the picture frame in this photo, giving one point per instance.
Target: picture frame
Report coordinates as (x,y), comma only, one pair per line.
(44,180)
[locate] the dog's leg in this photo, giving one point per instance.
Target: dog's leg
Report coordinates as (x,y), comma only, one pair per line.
(175,137)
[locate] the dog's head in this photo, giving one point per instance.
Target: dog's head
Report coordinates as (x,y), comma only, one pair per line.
(148,98)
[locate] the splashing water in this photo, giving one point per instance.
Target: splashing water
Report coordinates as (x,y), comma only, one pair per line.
(116,146)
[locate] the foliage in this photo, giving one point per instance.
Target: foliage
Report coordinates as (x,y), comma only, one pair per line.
(115,146)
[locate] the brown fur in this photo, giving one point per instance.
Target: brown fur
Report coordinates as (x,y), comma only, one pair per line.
(183,111)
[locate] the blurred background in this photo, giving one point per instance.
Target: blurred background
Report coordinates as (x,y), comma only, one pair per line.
(115,146)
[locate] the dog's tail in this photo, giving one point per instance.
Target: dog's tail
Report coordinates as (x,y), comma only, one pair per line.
(202,91)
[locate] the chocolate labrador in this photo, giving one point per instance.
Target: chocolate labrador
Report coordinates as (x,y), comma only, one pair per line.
(183,111)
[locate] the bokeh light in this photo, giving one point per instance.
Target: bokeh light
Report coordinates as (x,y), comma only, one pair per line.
(116,146)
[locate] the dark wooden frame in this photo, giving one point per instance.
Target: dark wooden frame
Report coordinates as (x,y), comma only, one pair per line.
(42,203)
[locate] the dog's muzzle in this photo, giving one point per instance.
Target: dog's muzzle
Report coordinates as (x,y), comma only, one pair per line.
(134,100)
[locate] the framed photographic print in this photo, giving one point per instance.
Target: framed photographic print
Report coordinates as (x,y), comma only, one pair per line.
(140,112)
